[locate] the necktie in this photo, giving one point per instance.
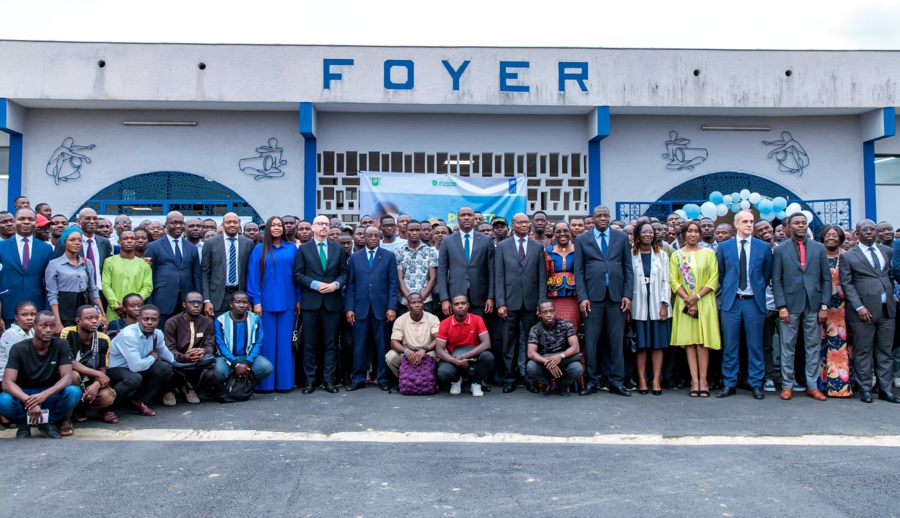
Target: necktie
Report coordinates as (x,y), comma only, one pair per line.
(90,254)
(322,256)
(521,251)
(875,260)
(232,263)
(26,254)
(466,247)
(743,282)
(178,256)
(603,244)
(802,246)
(371,257)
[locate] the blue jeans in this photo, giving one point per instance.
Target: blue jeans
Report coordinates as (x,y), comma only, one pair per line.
(59,405)
(262,368)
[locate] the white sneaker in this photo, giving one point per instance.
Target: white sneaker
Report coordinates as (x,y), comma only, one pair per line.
(456,387)
(897,382)
(476,390)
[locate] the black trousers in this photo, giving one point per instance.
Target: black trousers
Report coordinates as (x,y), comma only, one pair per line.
(138,385)
(514,353)
(604,334)
(320,333)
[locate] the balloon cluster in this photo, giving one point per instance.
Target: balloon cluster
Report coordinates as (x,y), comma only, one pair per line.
(720,204)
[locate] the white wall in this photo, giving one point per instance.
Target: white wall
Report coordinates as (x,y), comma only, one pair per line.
(211,149)
(888,197)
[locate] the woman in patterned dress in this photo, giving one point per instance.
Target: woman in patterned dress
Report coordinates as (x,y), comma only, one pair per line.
(561,275)
(836,378)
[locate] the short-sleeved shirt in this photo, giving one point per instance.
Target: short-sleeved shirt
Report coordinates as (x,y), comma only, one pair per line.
(81,352)
(415,265)
(416,335)
(556,338)
(461,334)
(36,371)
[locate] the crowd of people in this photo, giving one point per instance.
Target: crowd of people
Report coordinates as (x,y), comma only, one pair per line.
(99,315)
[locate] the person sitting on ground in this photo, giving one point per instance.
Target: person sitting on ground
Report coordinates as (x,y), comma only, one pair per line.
(39,376)
(191,338)
(132,303)
(553,351)
(458,351)
(239,340)
(414,335)
(139,361)
(90,356)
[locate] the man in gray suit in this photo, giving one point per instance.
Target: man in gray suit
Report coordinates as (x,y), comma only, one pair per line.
(867,281)
(801,283)
(604,281)
(466,266)
(223,266)
(520,282)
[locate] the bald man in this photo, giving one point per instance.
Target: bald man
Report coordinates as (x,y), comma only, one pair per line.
(176,268)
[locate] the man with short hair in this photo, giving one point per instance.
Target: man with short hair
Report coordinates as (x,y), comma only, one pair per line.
(193,232)
(132,303)
(389,241)
(58,225)
(304,232)
(723,232)
(417,268)
(402,221)
(104,227)
(24,260)
(223,266)
(541,225)
(21,202)
(479,219)
(501,230)
(44,210)
(463,345)
(708,234)
(121,224)
(7,225)
(333,234)
(414,335)
(38,376)
(550,342)
(123,274)
(884,233)
(239,336)
(251,232)
(801,282)
(139,361)
(426,230)
(485,228)
(335,222)
(779,233)
(191,338)
(347,243)
(90,357)
(290,228)
(175,263)
(588,222)
(576,227)
(210,224)
(466,266)
(366,221)
(359,238)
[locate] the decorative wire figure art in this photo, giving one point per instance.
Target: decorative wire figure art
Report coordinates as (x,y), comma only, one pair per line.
(791,156)
(66,161)
(268,164)
(682,157)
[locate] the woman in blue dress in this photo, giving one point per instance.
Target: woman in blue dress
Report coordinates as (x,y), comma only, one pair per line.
(275,298)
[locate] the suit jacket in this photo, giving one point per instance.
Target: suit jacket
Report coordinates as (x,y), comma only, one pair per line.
(168,279)
(104,250)
(376,288)
(591,267)
(308,268)
(758,275)
(798,289)
(519,286)
(214,268)
(21,284)
(863,285)
(455,274)
(895,262)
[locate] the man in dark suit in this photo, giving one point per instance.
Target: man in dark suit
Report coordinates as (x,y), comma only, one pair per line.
(895,267)
(370,301)
(867,281)
(321,270)
(223,266)
(520,282)
(466,266)
(95,248)
(801,283)
(745,267)
(24,260)
(176,268)
(604,281)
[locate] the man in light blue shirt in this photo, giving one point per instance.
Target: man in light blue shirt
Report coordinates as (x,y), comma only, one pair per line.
(139,361)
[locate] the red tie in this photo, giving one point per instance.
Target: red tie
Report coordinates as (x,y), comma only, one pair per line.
(26,254)
(802,246)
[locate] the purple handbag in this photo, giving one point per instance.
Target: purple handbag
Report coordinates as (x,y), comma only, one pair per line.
(418,380)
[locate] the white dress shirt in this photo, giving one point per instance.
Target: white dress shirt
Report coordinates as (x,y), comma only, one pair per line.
(21,245)
(84,250)
(749,240)
(524,243)
(237,250)
(180,242)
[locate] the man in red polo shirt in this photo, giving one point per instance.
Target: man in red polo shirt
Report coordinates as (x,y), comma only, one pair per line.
(464,347)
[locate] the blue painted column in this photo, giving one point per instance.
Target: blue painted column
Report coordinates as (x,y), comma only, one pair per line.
(874,126)
(11,116)
(310,183)
(598,129)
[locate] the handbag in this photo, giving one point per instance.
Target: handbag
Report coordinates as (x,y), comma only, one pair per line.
(418,380)
(295,340)
(233,389)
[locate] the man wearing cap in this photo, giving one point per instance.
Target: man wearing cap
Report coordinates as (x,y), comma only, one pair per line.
(42,228)
(501,230)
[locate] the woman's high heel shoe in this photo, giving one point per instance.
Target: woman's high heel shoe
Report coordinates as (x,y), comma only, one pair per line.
(657,392)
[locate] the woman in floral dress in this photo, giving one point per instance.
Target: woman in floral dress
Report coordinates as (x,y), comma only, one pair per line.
(836,378)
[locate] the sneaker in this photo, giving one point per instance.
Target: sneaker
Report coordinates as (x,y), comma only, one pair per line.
(23,431)
(476,390)
(169,399)
(769,386)
(456,387)
(897,382)
(799,388)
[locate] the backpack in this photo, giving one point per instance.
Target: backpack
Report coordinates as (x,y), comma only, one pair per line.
(233,389)
(418,380)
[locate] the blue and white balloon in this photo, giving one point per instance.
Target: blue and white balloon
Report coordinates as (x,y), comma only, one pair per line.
(727,200)
(745,194)
(778,204)
(735,207)
(781,214)
(754,198)
(721,210)
(793,208)
(716,197)
(745,204)
(692,210)
(708,209)
(681,213)
(764,206)
(768,216)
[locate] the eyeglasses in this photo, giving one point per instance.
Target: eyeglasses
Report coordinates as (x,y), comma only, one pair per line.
(193,302)
(648,231)
(867,229)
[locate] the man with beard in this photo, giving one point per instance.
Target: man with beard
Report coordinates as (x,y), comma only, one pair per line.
(500,228)
(193,232)
(290,229)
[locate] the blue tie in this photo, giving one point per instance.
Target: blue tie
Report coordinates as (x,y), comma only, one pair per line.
(603,244)
(232,264)
(371,257)
(178,256)
(466,247)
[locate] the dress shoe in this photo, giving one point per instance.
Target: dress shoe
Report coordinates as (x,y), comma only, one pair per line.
(355,386)
(142,408)
(49,430)
(309,389)
(384,386)
(865,396)
(330,388)
(787,393)
(758,392)
(108,416)
(169,399)
(619,390)
(588,390)
(508,387)
(890,398)
(643,392)
(23,430)
(726,392)
(190,395)
(817,395)
(485,387)
(657,392)
(531,387)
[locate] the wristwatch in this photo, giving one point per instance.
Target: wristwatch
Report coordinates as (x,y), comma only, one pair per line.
(562,355)
(823,307)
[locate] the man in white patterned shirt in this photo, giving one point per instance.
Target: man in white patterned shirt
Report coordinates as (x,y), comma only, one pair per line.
(417,268)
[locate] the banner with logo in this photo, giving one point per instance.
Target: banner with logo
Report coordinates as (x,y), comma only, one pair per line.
(424,196)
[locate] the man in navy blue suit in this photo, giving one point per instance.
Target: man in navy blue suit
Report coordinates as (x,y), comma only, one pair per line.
(745,268)
(370,303)
(176,268)
(24,260)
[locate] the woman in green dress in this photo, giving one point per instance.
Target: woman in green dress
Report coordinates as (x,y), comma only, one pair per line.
(694,276)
